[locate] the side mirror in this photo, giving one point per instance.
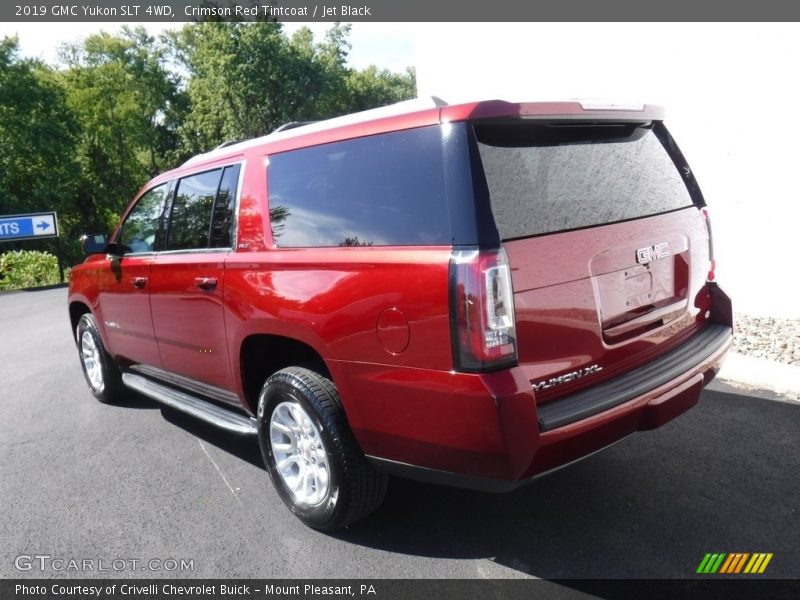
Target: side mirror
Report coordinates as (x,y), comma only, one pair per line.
(95,243)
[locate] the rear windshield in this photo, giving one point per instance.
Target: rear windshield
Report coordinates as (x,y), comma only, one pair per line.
(544,178)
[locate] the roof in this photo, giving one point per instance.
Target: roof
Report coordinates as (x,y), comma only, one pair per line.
(428,111)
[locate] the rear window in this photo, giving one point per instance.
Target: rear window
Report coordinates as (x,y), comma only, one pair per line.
(379,190)
(544,178)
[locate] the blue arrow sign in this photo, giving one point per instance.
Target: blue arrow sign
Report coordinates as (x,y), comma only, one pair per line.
(32,226)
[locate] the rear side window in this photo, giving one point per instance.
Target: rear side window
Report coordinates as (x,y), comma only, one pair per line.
(190,218)
(202,210)
(379,190)
(544,178)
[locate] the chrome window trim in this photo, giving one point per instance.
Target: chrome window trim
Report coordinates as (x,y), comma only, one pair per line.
(192,251)
(235,233)
(131,255)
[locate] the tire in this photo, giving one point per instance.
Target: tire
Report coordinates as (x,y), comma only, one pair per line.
(101,372)
(312,457)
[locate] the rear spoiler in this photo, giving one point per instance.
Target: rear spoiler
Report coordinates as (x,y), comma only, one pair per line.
(493,109)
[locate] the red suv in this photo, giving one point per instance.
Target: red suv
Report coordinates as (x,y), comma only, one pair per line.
(469,294)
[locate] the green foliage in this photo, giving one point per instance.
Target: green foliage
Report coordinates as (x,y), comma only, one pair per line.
(80,138)
(248,79)
(27,268)
(129,105)
(38,136)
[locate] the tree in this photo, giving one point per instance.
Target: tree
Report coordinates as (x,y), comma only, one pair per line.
(82,137)
(238,85)
(246,79)
(129,105)
(38,137)
(373,87)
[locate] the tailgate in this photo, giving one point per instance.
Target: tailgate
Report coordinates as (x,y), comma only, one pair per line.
(608,249)
(587,310)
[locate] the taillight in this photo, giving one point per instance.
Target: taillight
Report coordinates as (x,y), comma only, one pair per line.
(482,310)
(712,264)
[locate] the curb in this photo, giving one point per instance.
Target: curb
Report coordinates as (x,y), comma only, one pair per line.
(752,373)
(41,288)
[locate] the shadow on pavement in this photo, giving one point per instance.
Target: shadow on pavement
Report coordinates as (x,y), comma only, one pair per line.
(244,447)
(721,478)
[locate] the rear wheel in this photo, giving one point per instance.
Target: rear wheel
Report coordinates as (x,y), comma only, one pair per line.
(311,454)
(99,369)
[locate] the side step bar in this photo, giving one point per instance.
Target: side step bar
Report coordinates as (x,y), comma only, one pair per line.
(192,405)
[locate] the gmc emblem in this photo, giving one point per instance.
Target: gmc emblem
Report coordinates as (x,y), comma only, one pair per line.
(651,253)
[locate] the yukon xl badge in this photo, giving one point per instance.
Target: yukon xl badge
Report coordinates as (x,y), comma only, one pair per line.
(651,253)
(554,381)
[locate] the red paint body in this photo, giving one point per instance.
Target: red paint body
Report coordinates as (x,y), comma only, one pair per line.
(379,317)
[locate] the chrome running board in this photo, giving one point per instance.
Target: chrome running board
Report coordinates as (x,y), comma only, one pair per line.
(191,405)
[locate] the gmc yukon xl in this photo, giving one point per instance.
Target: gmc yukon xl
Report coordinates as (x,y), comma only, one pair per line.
(470,294)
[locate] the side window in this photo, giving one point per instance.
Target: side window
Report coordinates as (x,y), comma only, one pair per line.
(190,218)
(222,218)
(138,232)
(379,190)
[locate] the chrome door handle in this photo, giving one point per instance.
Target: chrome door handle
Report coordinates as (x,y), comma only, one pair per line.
(206,283)
(139,282)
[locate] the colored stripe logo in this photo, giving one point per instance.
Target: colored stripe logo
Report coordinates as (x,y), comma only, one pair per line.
(734,563)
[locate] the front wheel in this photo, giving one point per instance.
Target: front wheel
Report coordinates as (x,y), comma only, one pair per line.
(311,454)
(99,369)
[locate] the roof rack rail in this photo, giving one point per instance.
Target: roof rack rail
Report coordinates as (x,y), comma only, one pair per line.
(399,108)
(227,143)
(292,125)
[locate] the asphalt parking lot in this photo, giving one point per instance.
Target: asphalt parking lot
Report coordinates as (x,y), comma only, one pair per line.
(81,480)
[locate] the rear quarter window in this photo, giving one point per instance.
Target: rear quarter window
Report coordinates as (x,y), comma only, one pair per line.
(544,178)
(380,190)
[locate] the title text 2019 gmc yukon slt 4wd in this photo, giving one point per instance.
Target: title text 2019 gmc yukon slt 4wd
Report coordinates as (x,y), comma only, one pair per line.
(470,294)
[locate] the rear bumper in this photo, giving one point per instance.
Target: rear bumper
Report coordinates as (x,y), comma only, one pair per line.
(667,368)
(485,432)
